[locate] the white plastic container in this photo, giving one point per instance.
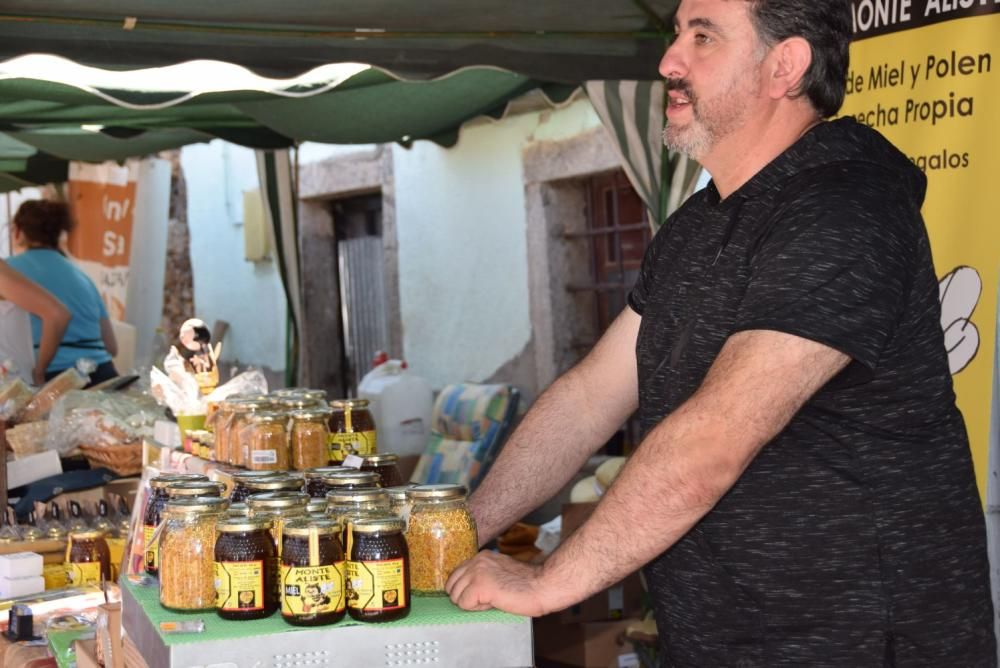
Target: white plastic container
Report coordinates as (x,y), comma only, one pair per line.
(401,404)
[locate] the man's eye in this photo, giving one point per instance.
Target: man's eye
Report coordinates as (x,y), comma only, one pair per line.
(701,38)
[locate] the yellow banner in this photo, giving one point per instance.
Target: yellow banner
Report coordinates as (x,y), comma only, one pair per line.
(924,74)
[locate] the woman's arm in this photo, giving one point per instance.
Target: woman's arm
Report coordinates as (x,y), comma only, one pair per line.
(108,335)
(37,300)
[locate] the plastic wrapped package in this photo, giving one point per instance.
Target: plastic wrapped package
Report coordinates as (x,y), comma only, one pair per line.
(45,398)
(27,438)
(14,396)
(99,418)
(180,391)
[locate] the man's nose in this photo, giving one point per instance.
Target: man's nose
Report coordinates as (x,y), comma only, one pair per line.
(672,65)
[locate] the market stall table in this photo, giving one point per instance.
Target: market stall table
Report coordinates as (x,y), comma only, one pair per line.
(435,633)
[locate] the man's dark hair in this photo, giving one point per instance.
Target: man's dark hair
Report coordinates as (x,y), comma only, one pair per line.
(826,25)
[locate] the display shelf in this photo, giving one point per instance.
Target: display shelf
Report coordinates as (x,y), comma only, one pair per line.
(436,633)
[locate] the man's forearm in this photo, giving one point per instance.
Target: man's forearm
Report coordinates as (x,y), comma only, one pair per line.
(574,417)
(548,447)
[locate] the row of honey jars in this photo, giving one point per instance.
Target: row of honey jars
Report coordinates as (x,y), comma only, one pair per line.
(292,432)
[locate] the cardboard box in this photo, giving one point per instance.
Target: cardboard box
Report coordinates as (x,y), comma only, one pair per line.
(33,467)
(586,645)
(620,601)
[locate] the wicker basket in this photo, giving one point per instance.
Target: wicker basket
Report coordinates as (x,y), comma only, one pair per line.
(124,460)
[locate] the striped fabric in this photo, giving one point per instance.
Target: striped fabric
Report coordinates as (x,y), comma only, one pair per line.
(633,113)
(274,170)
(468,425)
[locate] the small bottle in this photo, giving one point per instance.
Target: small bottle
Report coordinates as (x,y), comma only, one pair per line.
(378,572)
(76,521)
(103,520)
(88,560)
(268,442)
(187,553)
(440,533)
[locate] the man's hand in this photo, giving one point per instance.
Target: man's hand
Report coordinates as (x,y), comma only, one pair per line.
(38,376)
(491,580)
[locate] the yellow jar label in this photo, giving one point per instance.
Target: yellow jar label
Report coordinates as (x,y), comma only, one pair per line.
(312,590)
(83,574)
(376,585)
(239,585)
(351,443)
(151,551)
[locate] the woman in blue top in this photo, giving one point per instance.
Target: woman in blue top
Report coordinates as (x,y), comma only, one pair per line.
(38,228)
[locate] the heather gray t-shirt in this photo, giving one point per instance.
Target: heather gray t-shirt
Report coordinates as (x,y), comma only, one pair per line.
(856,537)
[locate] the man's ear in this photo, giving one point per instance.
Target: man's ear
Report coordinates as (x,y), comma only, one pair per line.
(790,59)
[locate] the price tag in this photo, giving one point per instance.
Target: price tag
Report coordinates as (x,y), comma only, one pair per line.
(353,461)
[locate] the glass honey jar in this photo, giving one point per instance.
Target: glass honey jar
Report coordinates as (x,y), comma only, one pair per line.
(88,559)
(386,466)
(154,508)
(352,430)
(378,571)
(268,442)
(312,573)
(246,576)
(309,438)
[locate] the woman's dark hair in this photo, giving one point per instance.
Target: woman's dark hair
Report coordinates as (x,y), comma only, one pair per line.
(42,222)
(826,25)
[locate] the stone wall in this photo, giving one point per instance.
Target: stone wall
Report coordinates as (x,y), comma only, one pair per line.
(178,287)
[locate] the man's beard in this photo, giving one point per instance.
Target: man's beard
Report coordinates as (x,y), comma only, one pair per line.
(715,119)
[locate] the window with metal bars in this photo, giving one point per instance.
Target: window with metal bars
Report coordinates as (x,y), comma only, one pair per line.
(618,232)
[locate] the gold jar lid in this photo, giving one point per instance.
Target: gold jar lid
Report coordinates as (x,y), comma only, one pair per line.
(194,505)
(316,506)
(321,472)
(348,497)
(163,481)
(87,534)
(303,527)
(277,500)
(298,402)
(238,510)
(269,417)
(281,483)
(398,493)
(312,413)
(243,476)
(251,405)
(243,524)
(384,459)
(290,391)
(354,404)
(378,525)
(195,488)
(437,492)
(349,476)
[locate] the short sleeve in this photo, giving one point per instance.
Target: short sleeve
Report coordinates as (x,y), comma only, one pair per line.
(833,269)
(640,290)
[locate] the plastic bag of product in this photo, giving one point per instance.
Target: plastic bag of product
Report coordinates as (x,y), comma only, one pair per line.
(183,399)
(100,418)
(14,396)
(27,438)
(45,398)
(251,381)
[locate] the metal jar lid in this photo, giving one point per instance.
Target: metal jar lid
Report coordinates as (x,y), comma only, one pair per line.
(437,492)
(195,488)
(316,506)
(283,483)
(354,404)
(163,481)
(243,476)
(321,472)
(269,417)
(87,534)
(243,524)
(348,497)
(277,500)
(301,528)
(386,459)
(351,477)
(312,413)
(398,493)
(378,525)
(194,505)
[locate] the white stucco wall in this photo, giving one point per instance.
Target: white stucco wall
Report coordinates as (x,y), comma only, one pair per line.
(460,216)
(248,295)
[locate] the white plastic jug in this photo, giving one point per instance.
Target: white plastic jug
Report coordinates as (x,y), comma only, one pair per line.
(401,404)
